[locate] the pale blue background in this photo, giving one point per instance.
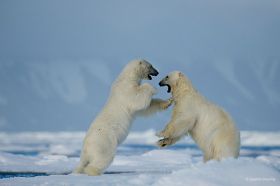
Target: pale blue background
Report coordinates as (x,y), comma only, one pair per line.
(59,57)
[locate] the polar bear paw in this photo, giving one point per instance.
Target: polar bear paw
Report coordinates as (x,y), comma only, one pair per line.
(164,142)
(167,141)
(167,104)
(166,133)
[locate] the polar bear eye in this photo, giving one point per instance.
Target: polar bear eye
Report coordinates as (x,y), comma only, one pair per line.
(166,77)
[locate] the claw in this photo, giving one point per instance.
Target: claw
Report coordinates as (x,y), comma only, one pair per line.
(162,143)
(167,104)
(171,100)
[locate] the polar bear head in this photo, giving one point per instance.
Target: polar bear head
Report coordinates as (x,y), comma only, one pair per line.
(175,80)
(140,69)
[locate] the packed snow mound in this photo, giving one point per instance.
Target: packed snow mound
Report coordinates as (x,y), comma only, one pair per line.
(244,171)
(48,159)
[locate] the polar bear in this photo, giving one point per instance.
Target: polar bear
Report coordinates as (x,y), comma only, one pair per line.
(128,98)
(209,125)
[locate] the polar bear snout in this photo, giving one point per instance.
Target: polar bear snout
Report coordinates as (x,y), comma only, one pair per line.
(164,83)
(152,72)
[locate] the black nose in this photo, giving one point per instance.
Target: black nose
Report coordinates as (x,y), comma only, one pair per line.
(154,72)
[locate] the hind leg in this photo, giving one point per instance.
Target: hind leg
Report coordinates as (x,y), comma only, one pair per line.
(81,166)
(91,170)
(226,152)
(99,158)
(97,167)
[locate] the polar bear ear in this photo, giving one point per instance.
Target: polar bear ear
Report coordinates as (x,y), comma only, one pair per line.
(181,74)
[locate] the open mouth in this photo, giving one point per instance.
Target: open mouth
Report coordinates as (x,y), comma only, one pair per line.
(150,76)
(154,73)
(168,86)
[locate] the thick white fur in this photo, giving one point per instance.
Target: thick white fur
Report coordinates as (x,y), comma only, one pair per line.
(209,125)
(128,98)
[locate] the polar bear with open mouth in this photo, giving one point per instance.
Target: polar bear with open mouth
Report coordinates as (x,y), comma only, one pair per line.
(128,99)
(209,125)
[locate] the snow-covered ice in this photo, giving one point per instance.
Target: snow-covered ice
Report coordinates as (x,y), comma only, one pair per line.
(45,158)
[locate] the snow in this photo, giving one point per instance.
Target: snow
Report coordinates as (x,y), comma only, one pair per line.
(46,158)
(227,172)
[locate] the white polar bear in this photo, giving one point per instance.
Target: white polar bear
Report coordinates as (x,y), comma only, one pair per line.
(128,98)
(210,127)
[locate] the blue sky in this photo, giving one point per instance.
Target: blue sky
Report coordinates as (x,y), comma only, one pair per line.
(58,58)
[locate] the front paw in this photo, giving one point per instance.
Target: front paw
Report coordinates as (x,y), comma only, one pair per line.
(167,104)
(166,133)
(163,142)
(162,134)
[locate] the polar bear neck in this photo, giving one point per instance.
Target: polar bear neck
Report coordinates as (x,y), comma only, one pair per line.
(128,76)
(182,88)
